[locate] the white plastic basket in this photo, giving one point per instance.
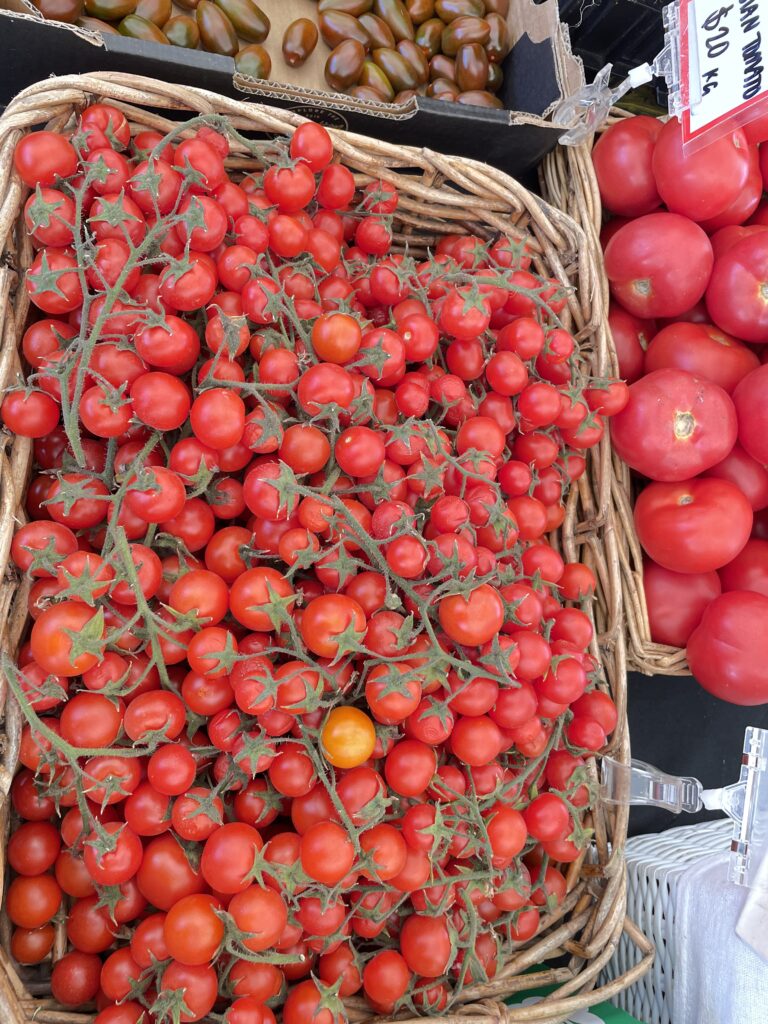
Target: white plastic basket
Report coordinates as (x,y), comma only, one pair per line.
(655,863)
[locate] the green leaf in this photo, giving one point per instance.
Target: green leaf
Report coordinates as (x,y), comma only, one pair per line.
(89,639)
(113,212)
(41,212)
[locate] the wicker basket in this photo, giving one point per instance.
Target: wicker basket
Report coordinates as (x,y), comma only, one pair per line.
(438,194)
(568,177)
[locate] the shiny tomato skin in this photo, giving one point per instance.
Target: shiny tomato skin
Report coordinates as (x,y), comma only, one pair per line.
(165,874)
(249,596)
(643,266)
(426,945)
(727,237)
(472,619)
(348,737)
(120,863)
(702,184)
(622,160)
(547,818)
(41,158)
(262,913)
(674,426)
(128,1012)
(748,570)
(386,977)
(33,847)
(694,525)
(32,900)
(325,618)
(727,651)
(228,856)
(75,978)
(752,413)
(745,203)
(32,945)
(750,476)
(409,767)
(199,983)
(52,647)
(192,930)
(676,601)
(737,294)
(631,337)
(702,350)
(475,741)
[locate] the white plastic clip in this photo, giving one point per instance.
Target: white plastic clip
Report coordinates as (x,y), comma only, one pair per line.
(583,113)
(745,802)
(642,785)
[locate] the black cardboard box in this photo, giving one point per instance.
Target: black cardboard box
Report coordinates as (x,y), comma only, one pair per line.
(539,71)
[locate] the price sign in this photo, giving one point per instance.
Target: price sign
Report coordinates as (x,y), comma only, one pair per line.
(724,62)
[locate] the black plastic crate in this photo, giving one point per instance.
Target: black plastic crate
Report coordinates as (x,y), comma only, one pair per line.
(625,33)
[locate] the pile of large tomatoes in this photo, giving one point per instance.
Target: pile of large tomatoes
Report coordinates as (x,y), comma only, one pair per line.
(686,254)
(307,705)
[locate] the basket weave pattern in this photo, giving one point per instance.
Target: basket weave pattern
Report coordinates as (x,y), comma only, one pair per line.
(438,195)
(569,179)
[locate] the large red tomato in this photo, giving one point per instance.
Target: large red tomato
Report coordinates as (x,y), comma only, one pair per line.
(749,398)
(703,350)
(750,477)
(702,184)
(737,294)
(744,204)
(748,570)
(693,526)
(622,160)
(674,426)
(643,264)
(727,237)
(728,650)
(631,337)
(676,601)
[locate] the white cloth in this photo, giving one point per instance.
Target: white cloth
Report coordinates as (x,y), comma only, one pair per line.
(718,978)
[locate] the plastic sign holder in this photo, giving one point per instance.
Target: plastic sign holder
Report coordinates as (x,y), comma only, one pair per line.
(714,61)
(723,65)
(745,802)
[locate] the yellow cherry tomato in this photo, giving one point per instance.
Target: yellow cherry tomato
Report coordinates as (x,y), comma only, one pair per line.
(348,737)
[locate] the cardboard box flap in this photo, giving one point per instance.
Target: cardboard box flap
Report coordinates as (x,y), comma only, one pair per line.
(26,10)
(539,72)
(313,97)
